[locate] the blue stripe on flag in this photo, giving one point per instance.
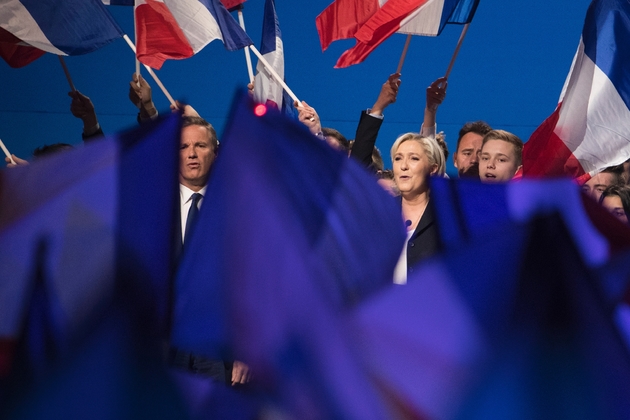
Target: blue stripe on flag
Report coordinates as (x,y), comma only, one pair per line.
(606,38)
(234,37)
(74,26)
(271,28)
(457,11)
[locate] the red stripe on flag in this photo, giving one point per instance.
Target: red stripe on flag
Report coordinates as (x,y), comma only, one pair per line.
(378,28)
(14,54)
(230,4)
(159,35)
(342,19)
(546,155)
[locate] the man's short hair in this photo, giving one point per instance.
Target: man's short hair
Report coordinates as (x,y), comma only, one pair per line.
(617,172)
(343,141)
(214,140)
(478,127)
(507,137)
(46,149)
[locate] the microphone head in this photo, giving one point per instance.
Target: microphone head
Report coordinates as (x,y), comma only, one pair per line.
(407,223)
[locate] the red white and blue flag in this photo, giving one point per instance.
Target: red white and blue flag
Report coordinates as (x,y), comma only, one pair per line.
(590,128)
(68,27)
(371,22)
(266,89)
(178,29)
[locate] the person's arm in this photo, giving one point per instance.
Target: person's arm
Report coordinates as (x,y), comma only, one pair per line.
(436,92)
(140,95)
(83,108)
(371,121)
(308,116)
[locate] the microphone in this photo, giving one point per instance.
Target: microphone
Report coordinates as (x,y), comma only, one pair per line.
(407,223)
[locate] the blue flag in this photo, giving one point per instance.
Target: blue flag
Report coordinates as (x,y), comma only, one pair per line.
(105,213)
(291,233)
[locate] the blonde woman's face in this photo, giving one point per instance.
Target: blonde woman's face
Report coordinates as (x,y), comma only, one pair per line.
(411,167)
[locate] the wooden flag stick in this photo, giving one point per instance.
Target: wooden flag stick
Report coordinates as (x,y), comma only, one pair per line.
(67,72)
(403,55)
(459,44)
(248,57)
(153,75)
(274,74)
(6,152)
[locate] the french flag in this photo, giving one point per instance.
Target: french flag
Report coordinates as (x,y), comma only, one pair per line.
(178,29)
(62,27)
(266,89)
(590,128)
(371,22)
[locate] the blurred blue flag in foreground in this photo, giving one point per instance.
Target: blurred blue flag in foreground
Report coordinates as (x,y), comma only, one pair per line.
(467,209)
(292,232)
(512,323)
(93,220)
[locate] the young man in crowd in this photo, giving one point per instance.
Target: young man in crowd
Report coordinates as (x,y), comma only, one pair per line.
(595,186)
(500,156)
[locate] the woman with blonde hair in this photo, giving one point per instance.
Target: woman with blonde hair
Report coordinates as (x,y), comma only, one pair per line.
(414,160)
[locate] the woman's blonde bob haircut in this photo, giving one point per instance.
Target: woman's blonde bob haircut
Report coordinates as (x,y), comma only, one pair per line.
(431,148)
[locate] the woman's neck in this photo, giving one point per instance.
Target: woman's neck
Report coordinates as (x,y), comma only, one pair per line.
(413,208)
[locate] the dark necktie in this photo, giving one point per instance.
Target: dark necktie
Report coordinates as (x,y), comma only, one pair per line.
(192,214)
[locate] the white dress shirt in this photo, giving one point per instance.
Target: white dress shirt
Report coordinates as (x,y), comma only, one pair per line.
(185,200)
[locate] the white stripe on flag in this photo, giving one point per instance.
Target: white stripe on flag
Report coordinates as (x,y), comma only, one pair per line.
(16,19)
(425,20)
(590,103)
(196,21)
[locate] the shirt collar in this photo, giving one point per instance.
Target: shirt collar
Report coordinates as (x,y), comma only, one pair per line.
(186,193)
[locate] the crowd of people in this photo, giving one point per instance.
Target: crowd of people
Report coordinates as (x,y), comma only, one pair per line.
(481,152)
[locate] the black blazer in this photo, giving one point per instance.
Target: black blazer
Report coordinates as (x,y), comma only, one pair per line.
(425,240)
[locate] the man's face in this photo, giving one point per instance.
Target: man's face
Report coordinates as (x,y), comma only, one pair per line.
(497,161)
(195,157)
(466,157)
(597,184)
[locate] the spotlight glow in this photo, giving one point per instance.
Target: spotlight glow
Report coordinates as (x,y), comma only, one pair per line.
(260,110)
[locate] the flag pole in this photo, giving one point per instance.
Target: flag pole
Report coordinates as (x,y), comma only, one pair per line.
(153,75)
(248,58)
(6,152)
(459,44)
(67,72)
(275,74)
(403,55)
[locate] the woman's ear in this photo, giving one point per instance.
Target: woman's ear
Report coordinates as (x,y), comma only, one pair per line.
(434,169)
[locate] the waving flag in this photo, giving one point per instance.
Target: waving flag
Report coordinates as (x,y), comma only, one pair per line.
(266,89)
(62,27)
(590,128)
(310,253)
(526,334)
(15,52)
(178,29)
(371,22)
(98,228)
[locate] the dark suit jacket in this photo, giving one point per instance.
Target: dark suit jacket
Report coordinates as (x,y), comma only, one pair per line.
(425,240)
(365,139)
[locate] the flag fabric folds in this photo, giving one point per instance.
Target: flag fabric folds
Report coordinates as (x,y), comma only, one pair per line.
(266,89)
(178,29)
(15,52)
(372,22)
(467,209)
(590,128)
(62,27)
(295,235)
(527,333)
(101,224)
